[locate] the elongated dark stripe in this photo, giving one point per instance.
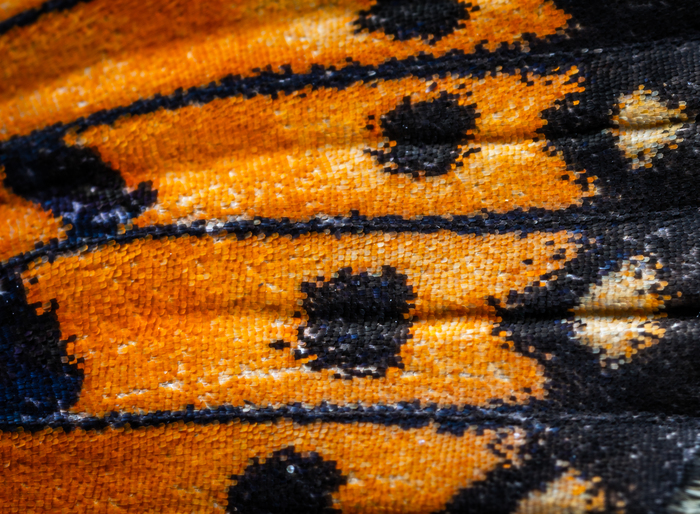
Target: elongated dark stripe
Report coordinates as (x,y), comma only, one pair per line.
(405,415)
(574,219)
(32,15)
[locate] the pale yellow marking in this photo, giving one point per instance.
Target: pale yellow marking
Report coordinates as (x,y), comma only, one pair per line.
(617,317)
(645,125)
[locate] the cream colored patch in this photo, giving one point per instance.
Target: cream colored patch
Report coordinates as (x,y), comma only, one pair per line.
(687,498)
(645,125)
(629,289)
(569,494)
(617,317)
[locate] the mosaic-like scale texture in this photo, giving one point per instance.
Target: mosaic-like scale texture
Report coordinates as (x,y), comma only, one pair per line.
(358,256)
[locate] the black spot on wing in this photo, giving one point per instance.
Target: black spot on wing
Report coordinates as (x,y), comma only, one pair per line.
(357,323)
(427,136)
(286,482)
(407,19)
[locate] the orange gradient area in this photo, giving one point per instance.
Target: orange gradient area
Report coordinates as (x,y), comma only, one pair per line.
(24,224)
(306,153)
(110,53)
(10,8)
(189,468)
(162,324)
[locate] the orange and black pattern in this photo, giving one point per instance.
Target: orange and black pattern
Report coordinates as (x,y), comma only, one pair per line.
(431,256)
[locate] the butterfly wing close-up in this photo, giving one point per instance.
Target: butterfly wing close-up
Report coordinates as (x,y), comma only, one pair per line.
(358,256)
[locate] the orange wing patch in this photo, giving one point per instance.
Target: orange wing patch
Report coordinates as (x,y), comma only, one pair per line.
(24,224)
(10,8)
(110,53)
(186,468)
(138,309)
(330,152)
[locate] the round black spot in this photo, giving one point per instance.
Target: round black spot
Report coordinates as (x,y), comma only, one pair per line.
(286,482)
(427,136)
(356,322)
(408,19)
